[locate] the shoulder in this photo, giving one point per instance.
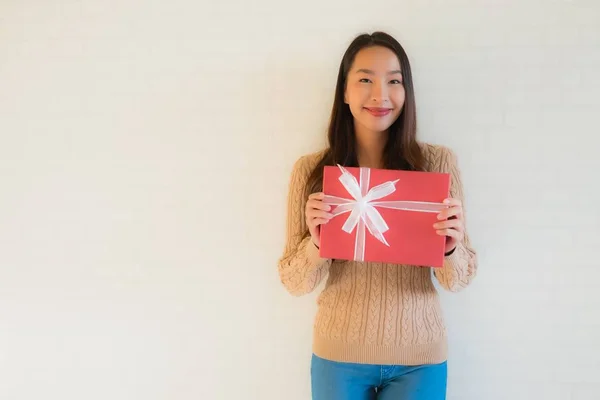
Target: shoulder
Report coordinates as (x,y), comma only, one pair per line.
(304,165)
(431,151)
(438,158)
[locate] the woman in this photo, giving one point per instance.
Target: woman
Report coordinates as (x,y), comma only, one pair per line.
(379,331)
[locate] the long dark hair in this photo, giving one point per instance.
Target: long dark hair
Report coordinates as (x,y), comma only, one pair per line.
(401,150)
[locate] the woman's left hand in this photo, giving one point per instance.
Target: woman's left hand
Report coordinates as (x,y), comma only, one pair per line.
(451,224)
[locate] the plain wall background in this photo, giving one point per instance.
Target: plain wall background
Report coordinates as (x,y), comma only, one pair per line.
(145,153)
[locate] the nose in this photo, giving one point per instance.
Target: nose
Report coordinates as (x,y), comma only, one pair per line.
(379,93)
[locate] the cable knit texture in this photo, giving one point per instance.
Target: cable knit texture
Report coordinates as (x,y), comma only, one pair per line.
(374,313)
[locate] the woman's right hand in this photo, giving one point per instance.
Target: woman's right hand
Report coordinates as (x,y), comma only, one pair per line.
(316,214)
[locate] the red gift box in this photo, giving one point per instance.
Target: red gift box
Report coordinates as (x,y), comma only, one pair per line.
(384,215)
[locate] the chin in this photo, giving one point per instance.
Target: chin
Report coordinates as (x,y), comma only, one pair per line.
(378,127)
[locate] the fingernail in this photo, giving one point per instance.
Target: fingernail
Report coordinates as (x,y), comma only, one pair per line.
(446,201)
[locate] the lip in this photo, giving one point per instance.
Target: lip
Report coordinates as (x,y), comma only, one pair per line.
(378,111)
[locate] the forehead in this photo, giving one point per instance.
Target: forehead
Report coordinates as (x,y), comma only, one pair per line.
(377,58)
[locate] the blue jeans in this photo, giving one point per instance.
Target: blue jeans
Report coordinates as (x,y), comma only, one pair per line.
(332,380)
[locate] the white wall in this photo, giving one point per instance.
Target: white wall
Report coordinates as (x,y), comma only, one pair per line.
(145,153)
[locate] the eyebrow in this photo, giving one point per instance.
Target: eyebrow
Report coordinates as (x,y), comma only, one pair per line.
(370,72)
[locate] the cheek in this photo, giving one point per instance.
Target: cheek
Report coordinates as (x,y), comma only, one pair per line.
(398,95)
(355,99)
(356,109)
(357,93)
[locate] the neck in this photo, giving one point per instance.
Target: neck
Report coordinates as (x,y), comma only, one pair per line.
(369,148)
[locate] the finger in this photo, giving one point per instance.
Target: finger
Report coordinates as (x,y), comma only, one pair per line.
(318,195)
(318,204)
(449,224)
(452,201)
(455,211)
(450,232)
(319,214)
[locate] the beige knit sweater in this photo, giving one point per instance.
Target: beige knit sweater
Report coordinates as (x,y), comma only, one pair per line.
(372,312)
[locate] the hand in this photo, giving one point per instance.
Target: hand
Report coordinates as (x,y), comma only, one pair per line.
(452,224)
(316,214)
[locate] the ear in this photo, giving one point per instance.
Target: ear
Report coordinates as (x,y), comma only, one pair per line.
(345,97)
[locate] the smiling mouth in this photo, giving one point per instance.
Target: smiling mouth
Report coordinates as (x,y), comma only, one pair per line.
(378,111)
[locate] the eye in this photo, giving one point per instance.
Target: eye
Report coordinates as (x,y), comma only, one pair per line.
(365,80)
(396,82)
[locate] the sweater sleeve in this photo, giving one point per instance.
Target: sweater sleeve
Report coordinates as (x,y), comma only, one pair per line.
(460,267)
(301,268)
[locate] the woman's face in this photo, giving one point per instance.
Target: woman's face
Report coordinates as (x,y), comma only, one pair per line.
(374,89)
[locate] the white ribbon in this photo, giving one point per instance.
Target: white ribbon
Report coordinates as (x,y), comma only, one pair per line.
(362,207)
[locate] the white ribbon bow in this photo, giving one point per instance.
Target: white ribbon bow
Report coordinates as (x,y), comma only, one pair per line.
(362,207)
